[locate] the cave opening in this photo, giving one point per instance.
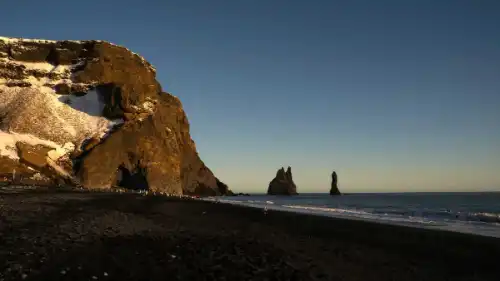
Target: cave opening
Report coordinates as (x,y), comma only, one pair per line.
(133,180)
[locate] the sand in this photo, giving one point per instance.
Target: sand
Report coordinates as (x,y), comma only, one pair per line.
(66,235)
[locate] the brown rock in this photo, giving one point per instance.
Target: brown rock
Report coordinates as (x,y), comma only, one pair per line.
(30,51)
(334,190)
(75,87)
(17,83)
(153,149)
(34,156)
(159,147)
(9,168)
(64,52)
(283,183)
(4,48)
(12,71)
(111,64)
(128,116)
(16,173)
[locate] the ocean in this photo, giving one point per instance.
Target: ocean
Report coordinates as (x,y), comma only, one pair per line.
(476,213)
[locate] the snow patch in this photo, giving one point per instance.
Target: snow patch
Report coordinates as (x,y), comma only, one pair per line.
(91,103)
(37,176)
(8,142)
(65,118)
(41,66)
(11,40)
(59,152)
(148,106)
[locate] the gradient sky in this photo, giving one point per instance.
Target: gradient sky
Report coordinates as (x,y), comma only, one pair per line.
(393,95)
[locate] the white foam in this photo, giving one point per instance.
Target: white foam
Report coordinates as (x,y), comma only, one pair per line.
(471,227)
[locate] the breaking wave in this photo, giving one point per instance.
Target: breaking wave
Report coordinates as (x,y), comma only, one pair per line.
(477,214)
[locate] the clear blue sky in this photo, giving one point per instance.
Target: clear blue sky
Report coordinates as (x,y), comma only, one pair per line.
(394,95)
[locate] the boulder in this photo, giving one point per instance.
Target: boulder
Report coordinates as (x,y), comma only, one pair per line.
(105,101)
(33,155)
(334,190)
(283,183)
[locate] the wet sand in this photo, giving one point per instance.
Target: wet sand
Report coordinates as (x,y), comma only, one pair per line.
(65,235)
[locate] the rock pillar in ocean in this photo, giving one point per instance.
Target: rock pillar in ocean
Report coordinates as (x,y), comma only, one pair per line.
(334,190)
(283,183)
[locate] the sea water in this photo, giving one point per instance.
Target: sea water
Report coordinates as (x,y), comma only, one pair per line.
(476,213)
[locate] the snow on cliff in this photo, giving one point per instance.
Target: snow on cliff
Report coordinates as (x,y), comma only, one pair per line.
(32,112)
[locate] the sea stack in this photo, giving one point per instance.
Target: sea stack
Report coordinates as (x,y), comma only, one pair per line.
(334,190)
(283,183)
(92,114)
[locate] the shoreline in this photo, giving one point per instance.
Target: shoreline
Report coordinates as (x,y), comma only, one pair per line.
(132,236)
(459,226)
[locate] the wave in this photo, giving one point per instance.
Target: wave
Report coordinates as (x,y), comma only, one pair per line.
(480,216)
(360,214)
(486,217)
(468,221)
(326,209)
(410,214)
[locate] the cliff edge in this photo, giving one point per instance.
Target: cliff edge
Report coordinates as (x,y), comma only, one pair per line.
(91,113)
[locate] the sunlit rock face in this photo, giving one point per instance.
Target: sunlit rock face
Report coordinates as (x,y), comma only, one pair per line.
(87,113)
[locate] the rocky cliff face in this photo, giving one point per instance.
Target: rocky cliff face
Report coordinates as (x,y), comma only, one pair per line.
(334,189)
(91,113)
(283,183)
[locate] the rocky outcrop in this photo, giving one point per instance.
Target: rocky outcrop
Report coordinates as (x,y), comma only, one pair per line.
(334,189)
(223,188)
(283,183)
(93,113)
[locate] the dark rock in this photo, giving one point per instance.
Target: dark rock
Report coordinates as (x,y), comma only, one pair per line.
(12,71)
(4,48)
(283,183)
(18,83)
(334,190)
(223,188)
(10,168)
(90,143)
(82,88)
(62,55)
(62,89)
(30,51)
(112,98)
(135,179)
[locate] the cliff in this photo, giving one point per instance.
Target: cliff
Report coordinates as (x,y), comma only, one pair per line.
(283,183)
(91,113)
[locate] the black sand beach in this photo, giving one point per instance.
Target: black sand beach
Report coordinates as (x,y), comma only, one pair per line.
(66,235)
